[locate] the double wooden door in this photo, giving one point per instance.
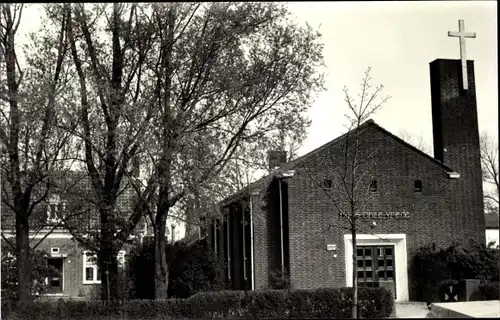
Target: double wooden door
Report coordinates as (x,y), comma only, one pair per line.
(376,268)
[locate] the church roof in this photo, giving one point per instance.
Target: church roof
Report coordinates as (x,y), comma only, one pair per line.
(259,184)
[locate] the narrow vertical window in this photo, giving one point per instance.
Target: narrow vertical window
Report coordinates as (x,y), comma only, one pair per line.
(373,186)
(228,242)
(418,185)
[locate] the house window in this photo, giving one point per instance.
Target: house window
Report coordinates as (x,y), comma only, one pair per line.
(418,185)
(91,274)
(121,259)
(327,184)
(55,209)
(373,186)
(54,250)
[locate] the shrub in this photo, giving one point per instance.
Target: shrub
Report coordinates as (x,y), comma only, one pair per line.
(40,270)
(279,280)
(434,265)
(192,268)
(490,290)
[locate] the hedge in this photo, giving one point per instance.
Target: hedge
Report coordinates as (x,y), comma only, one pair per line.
(319,303)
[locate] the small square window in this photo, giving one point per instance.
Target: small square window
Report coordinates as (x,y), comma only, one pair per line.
(373,186)
(418,185)
(327,184)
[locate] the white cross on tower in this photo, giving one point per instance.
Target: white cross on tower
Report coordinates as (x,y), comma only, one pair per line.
(462,35)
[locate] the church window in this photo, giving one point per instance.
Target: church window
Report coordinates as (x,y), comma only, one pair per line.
(418,185)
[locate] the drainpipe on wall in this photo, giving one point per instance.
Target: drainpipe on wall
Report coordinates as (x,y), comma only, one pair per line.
(228,248)
(251,244)
(281,230)
(244,244)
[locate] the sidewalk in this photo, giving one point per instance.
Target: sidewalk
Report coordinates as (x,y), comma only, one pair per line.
(410,310)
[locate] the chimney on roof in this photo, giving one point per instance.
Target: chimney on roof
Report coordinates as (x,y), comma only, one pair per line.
(276,158)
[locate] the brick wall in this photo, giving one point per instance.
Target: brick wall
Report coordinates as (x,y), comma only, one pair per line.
(436,215)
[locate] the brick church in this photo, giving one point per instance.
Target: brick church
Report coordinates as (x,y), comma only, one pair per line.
(415,199)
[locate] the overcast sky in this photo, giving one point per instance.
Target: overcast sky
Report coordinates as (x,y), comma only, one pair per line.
(398,40)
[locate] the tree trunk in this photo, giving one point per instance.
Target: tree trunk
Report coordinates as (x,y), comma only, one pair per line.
(107,258)
(161,266)
(354,274)
(108,269)
(23,258)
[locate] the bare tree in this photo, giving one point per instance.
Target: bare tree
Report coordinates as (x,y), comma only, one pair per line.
(351,165)
(417,142)
(489,161)
(31,145)
(226,73)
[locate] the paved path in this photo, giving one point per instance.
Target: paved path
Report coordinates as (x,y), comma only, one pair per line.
(469,309)
(410,310)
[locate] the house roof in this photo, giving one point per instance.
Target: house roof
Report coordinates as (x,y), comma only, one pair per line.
(259,184)
(491,221)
